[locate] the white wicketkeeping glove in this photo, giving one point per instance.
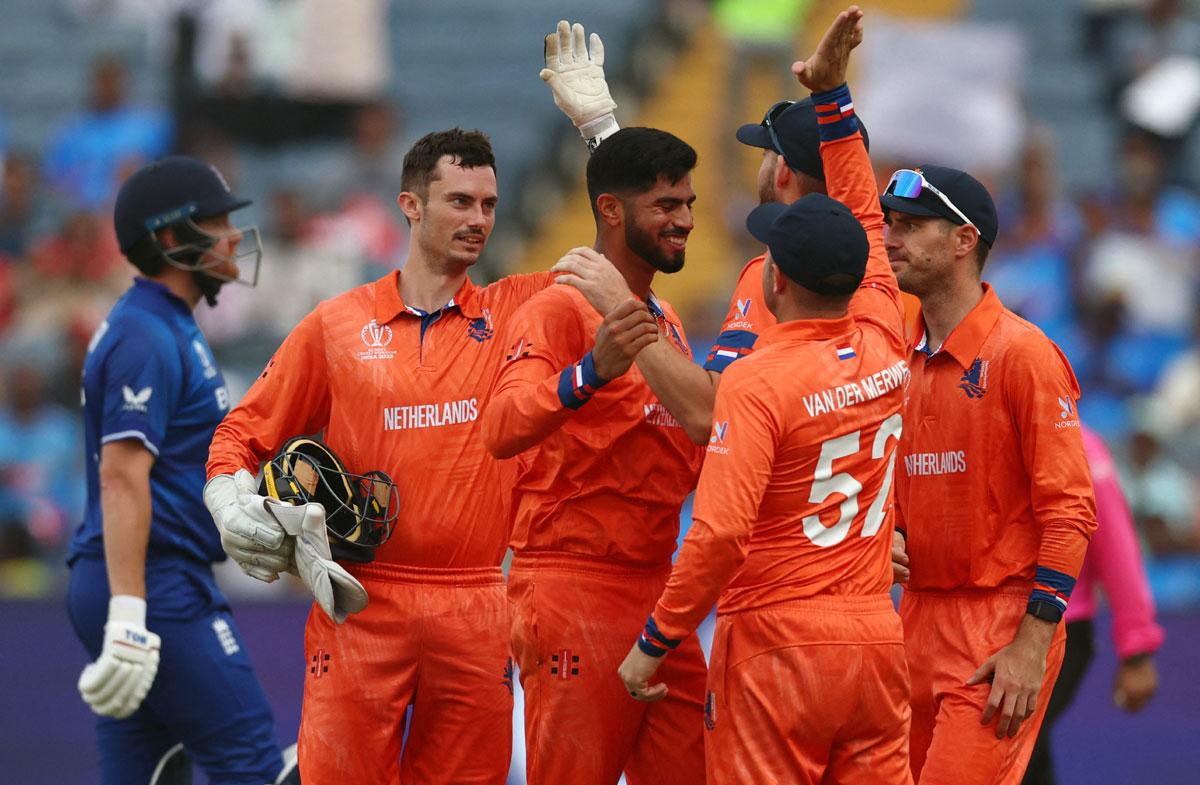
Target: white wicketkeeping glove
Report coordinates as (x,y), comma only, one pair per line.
(249,534)
(337,592)
(116,684)
(576,77)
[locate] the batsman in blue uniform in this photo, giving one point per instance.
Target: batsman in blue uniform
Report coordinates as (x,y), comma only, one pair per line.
(169,666)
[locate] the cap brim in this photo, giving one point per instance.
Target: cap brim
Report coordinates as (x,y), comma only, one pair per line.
(226,204)
(755,135)
(762,218)
(910,206)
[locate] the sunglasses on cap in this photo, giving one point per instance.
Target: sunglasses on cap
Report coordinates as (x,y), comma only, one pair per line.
(908,184)
(769,120)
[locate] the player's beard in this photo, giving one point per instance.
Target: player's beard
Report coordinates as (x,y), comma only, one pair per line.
(766,189)
(646,245)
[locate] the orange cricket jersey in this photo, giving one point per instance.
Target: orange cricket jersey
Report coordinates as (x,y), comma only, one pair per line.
(993,484)
(400,391)
(795,497)
(602,470)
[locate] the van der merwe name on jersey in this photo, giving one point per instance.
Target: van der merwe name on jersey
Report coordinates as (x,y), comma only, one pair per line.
(430,415)
(854,393)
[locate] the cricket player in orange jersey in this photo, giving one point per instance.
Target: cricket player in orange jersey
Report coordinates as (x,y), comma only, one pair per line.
(993,492)
(602,471)
(793,523)
(791,167)
(396,373)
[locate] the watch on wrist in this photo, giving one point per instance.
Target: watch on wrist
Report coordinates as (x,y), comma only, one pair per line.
(1046,611)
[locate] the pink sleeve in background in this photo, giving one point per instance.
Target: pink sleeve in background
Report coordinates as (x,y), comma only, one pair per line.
(1115,560)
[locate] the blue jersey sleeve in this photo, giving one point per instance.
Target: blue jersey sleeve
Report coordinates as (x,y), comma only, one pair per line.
(142,380)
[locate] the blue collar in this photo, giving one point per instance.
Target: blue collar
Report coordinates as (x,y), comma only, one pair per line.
(152,292)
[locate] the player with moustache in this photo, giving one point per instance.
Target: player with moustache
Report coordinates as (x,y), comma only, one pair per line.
(395,374)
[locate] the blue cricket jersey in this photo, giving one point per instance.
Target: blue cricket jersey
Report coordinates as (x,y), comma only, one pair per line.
(150,376)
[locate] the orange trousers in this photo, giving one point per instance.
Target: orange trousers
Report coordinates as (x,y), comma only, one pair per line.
(807,692)
(433,639)
(574,620)
(948,635)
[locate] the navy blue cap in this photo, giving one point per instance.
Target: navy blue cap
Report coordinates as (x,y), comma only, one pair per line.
(796,128)
(812,239)
(170,190)
(963,190)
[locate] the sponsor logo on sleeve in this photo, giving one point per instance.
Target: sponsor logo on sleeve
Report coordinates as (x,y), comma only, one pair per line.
(377,338)
(1066,414)
(136,401)
(520,349)
(716,442)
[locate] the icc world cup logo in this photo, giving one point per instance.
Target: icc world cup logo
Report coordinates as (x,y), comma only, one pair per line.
(376,336)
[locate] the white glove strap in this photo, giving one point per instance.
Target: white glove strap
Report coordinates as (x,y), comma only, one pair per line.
(596,131)
(127,609)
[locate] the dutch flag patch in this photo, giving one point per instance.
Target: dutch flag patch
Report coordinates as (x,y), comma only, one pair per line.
(845,353)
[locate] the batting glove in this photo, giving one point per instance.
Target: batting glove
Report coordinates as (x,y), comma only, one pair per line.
(249,533)
(337,592)
(116,684)
(576,77)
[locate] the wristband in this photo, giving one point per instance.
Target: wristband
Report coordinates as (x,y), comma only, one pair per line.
(127,609)
(596,131)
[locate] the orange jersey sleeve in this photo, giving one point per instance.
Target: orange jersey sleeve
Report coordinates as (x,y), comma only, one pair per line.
(1043,395)
(851,180)
(736,471)
(289,398)
(748,316)
(547,375)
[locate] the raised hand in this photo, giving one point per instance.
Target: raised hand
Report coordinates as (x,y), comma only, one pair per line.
(825,69)
(576,74)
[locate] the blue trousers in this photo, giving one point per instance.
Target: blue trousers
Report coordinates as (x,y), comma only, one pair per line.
(205,694)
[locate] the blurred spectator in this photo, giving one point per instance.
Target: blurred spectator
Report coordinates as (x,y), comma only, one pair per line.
(1149,52)
(1161,493)
(1176,401)
(1031,270)
(341,52)
(374,161)
(22,213)
(302,265)
(1139,266)
(87,155)
(83,251)
(40,459)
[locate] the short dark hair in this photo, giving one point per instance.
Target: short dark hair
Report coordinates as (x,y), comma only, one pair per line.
(632,160)
(468,149)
